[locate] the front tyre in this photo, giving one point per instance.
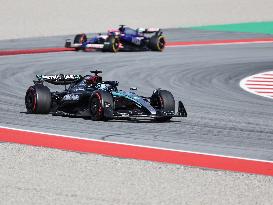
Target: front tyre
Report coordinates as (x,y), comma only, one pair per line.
(163,101)
(38,99)
(157,43)
(101,106)
(112,44)
(80,39)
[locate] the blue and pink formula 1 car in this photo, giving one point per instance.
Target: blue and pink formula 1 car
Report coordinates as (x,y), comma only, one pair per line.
(122,39)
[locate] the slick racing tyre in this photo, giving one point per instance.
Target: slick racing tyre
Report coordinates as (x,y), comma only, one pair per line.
(112,44)
(38,99)
(157,43)
(163,100)
(80,39)
(101,106)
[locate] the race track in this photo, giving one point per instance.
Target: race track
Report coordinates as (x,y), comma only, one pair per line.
(223,118)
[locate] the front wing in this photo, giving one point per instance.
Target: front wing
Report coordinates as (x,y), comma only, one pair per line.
(160,114)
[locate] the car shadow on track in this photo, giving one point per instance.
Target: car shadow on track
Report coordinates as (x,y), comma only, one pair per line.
(113,121)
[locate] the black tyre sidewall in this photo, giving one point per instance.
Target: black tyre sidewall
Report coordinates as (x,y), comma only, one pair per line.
(31,100)
(41,98)
(80,38)
(164,101)
(102,113)
(96,115)
(112,40)
(154,43)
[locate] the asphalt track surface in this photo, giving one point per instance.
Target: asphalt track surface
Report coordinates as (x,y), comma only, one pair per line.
(223,118)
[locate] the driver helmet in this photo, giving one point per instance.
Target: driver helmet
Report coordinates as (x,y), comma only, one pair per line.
(92,80)
(121,29)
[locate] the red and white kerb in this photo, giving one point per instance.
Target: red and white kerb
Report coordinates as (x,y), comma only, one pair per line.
(259,84)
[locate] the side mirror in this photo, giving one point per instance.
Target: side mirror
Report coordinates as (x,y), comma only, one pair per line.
(133,88)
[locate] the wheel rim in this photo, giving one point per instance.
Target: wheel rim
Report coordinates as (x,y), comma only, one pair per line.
(161,102)
(31,101)
(95,107)
(161,43)
(82,39)
(116,45)
(158,102)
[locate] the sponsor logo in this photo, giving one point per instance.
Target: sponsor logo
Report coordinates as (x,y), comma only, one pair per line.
(71,97)
(94,45)
(58,77)
(152,29)
(137,40)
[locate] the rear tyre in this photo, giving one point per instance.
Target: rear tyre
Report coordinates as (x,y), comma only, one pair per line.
(112,44)
(163,100)
(67,44)
(157,43)
(101,106)
(38,99)
(80,39)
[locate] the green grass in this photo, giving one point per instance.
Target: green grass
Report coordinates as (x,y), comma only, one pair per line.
(255,27)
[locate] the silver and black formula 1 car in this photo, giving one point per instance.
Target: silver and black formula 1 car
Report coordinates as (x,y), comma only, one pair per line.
(122,39)
(90,97)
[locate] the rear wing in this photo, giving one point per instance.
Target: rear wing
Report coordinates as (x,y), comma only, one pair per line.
(152,30)
(60,79)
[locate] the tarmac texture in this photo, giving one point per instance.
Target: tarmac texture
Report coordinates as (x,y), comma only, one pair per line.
(223,119)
